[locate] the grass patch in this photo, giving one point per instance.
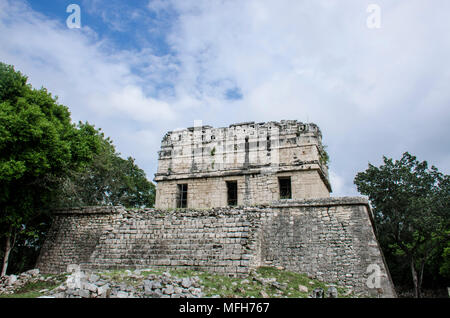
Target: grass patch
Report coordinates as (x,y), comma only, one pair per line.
(292,281)
(32,289)
(252,285)
(34,294)
(120,276)
(278,283)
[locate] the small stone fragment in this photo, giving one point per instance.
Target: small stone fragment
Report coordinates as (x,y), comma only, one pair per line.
(332,292)
(186,283)
(168,290)
(264,294)
(302,289)
(122,294)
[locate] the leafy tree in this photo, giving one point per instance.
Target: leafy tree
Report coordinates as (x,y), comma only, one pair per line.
(109,180)
(445,267)
(39,146)
(411,210)
(131,189)
(46,162)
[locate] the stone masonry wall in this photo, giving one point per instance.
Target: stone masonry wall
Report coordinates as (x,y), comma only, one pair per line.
(252,189)
(254,154)
(331,239)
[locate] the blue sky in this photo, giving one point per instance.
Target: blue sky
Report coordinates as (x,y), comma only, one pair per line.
(127,24)
(140,68)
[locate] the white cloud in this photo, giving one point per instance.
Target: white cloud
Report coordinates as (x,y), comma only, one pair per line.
(96,83)
(338,185)
(372,92)
(158,6)
(73,65)
(131,102)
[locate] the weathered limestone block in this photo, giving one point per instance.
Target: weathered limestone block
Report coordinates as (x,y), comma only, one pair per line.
(331,239)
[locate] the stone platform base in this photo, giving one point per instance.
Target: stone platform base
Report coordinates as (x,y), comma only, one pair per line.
(330,239)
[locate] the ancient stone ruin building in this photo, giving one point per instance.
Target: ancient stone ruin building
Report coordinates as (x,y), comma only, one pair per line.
(243,164)
(228,201)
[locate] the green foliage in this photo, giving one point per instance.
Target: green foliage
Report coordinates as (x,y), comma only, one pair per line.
(109,180)
(39,146)
(33,289)
(46,161)
(212,284)
(246,286)
(324,158)
(411,212)
(12,84)
(224,286)
(444,268)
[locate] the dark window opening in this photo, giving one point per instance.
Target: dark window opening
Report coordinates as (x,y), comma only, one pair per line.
(182,195)
(232,193)
(285,187)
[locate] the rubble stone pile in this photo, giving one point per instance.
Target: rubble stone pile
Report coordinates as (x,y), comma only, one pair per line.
(132,284)
(11,283)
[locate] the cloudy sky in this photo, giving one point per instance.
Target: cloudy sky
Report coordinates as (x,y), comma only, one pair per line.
(140,68)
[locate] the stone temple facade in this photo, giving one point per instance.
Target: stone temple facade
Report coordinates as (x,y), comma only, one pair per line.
(230,200)
(241,165)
